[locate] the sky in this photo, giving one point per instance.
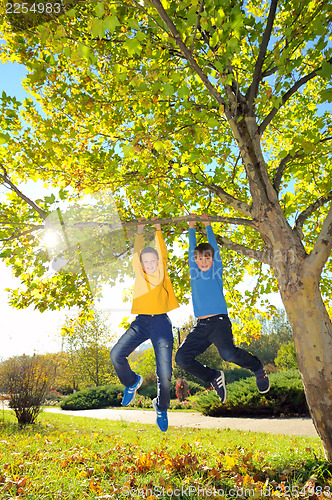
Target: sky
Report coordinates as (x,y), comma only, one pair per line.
(27,331)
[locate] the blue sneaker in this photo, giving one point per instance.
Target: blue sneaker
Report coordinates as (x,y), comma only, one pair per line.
(130,392)
(162,420)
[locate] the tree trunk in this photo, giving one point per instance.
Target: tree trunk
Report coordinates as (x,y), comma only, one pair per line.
(312,330)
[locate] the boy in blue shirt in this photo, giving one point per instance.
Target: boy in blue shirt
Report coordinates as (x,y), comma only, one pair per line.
(213,325)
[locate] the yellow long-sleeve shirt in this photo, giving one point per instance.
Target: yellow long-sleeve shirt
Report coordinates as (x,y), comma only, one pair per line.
(153,293)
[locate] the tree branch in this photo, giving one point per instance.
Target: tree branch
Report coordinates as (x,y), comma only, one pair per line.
(32,204)
(259,255)
(243,250)
(197,24)
(186,52)
(287,96)
(281,168)
(305,214)
(282,165)
(253,89)
(15,236)
(151,221)
(230,200)
(322,249)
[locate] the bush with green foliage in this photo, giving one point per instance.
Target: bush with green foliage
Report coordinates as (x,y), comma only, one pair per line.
(286,358)
(94,397)
(234,374)
(285,398)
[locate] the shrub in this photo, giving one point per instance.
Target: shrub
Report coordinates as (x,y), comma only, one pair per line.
(27,379)
(94,397)
(235,374)
(285,398)
(150,390)
(141,402)
(183,405)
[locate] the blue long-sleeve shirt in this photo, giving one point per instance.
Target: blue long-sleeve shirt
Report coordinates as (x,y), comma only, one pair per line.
(206,286)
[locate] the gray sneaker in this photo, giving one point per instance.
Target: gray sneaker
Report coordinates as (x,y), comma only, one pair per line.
(218,384)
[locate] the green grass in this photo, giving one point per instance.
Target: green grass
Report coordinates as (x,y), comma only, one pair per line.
(64,457)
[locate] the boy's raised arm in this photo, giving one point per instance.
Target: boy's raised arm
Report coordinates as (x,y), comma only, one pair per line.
(160,243)
(138,247)
(192,245)
(212,240)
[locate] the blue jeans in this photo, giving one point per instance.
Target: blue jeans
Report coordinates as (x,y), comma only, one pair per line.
(215,330)
(157,328)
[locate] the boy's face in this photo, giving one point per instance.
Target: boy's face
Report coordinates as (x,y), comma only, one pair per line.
(149,262)
(204,260)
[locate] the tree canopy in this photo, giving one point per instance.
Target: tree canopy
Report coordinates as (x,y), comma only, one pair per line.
(146,99)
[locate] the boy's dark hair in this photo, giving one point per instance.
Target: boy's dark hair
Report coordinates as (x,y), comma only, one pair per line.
(204,248)
(148,250)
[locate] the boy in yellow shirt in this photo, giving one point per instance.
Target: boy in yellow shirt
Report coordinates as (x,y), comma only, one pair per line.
(153,298)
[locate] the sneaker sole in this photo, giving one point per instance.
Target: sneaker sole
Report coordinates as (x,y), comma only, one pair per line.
(225,391)
(266,390)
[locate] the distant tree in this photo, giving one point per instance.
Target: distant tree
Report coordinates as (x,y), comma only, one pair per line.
(275,333)
(87,345)
(144,363)
(286,357)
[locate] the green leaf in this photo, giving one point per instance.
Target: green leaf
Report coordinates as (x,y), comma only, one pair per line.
(71,13)
(212,122)
(132,46)
(110,23)
(99,9)
(168,89)
(159,146)
(326,94)
(97,28)
(183,92)
(326,71)
(127,150)
(3,138)
(84,50)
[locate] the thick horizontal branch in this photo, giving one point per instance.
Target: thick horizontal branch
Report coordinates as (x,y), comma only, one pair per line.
(251,253)
(243,250)
(305,214)
(150,221)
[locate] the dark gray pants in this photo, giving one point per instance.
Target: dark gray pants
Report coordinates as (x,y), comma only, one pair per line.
(215,330)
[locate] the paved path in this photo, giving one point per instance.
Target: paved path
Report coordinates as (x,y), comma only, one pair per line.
(289,426)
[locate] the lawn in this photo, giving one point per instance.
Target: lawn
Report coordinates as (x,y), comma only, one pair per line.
(64,457)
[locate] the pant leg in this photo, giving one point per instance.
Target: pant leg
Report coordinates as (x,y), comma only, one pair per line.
(162,340)
(136,334)
(196,342)
(222,337)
